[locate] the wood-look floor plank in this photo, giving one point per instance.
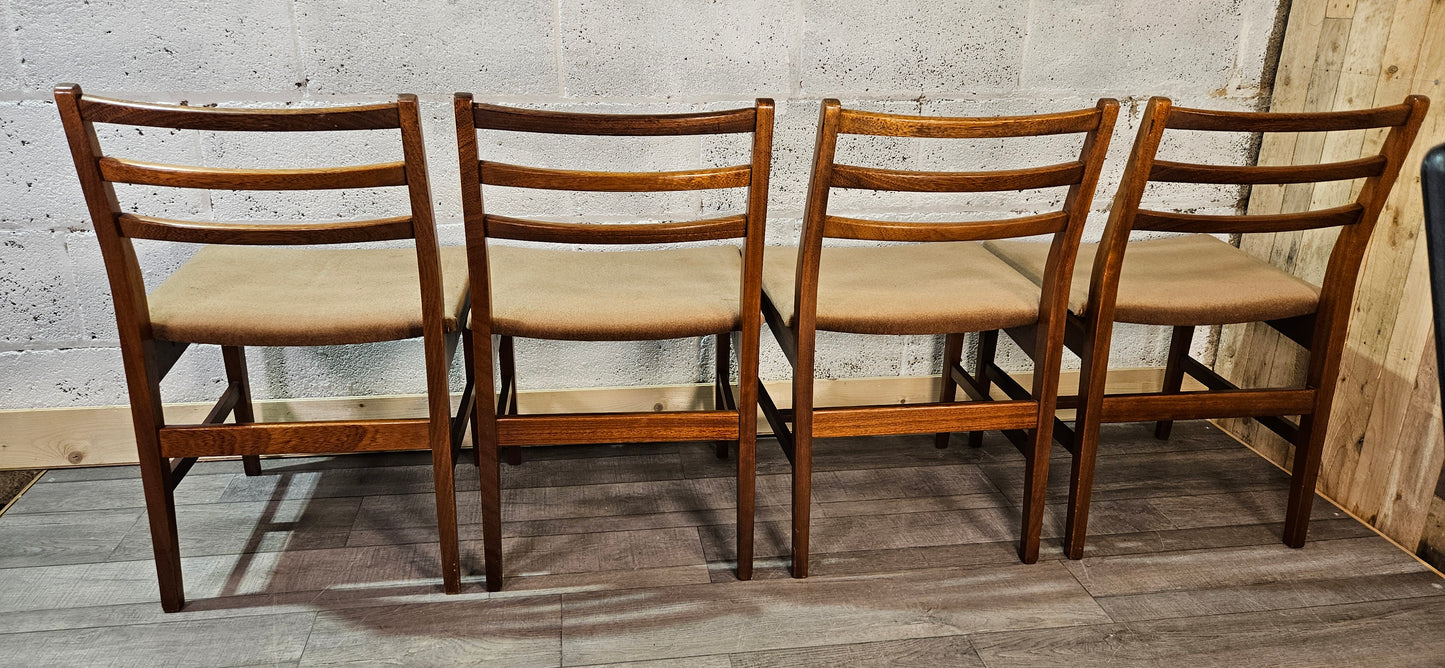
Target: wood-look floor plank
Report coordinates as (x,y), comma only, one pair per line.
(259,639)
(1183,473)
(912,652)
(1224,567)
(245,527)
(1386,633)
(1279,595)
(477,632)
(50,539)
(756,616)
(113,494)
(710,661)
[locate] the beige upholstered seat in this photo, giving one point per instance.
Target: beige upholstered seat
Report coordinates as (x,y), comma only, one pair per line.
(614,295)
(931,288)
(1194,279)
(286,296)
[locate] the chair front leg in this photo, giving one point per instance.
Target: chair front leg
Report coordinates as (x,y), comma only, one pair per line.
(235,361)
(952,353)
(507,356)
(722,363)
(747,449)
(987,348)
(1179,341)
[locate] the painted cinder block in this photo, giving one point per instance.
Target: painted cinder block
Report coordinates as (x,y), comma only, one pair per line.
(662,49)
(37,291)
(1131,45)
(897,49)
(120,47)
(428,47)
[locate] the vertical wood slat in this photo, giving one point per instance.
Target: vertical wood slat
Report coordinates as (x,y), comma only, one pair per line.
(1385,446)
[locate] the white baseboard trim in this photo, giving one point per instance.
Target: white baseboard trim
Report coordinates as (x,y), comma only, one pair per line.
(43,438)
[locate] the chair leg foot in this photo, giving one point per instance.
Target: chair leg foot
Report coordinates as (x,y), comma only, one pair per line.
(251,464)
(940,441)
(721,449)
(514,455)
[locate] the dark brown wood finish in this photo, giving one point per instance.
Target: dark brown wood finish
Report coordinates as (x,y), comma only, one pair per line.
(1322,333)
(498,425)
(798,341)
(147,359)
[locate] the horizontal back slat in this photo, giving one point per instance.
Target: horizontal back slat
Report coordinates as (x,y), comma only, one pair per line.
(517,176)
(368,117)
(878,230)
(1181,118)
(1161,221)
(490,117)
(504,227)
(893,125)
(1179,172)
(869,178)
(183,176)
(265,234)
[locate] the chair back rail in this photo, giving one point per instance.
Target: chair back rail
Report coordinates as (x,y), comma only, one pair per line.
(473,116)
(108,169)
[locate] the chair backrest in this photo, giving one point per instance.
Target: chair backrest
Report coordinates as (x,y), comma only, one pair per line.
(1081,176)
(1432,180)
(115,229)
(758,121)
(1357,219)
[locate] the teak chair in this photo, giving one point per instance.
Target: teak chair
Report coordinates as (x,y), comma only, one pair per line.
(239,290)
(625,295)
(950,286)
(1197,280)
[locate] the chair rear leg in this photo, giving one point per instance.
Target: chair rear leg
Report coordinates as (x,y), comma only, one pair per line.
(1308,452)
(1182,336)
(155,473)
(235,360)
(722,362)
(1086,448)
(802,451)
(1036,482)
(747,447)
(987,348)
(952,353)
(484,440)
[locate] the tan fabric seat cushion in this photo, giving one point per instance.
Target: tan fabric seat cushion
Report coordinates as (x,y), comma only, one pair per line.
(615,295)
(286,296)
(932,288)
(1187,280)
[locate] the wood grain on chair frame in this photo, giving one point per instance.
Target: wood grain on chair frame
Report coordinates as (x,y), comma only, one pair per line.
(799,293)
(500,425)
(167,452)
(1322,332)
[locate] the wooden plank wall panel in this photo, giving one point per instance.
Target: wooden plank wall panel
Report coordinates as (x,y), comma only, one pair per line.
(1385,447)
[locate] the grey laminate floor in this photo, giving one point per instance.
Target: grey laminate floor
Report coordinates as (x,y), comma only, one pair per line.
(619,554)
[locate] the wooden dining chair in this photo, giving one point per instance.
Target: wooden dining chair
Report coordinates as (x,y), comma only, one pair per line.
(948,284)
(243,288)
(1196,279)
(620,295)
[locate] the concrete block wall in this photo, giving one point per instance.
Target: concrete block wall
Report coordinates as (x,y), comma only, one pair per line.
(953,57)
